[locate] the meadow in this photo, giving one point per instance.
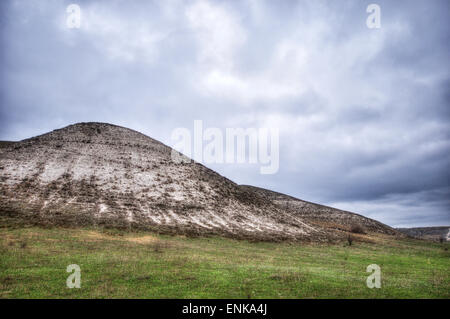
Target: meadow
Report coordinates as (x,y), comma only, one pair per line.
(123,264)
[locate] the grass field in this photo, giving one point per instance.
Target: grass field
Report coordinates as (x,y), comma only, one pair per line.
(145,265)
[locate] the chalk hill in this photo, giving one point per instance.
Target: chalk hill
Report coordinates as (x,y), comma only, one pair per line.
(106,175)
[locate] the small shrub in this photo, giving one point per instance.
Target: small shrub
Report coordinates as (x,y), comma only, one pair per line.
(357,229)
(158,246)
(350,240)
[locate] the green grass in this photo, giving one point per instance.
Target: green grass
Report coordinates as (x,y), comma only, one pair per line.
(33,264)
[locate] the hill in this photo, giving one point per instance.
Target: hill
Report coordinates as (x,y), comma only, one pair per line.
(105,175)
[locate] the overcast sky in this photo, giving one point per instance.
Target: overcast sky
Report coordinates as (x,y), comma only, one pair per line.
(363,113)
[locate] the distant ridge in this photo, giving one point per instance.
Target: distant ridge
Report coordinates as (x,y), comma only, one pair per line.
(428,233)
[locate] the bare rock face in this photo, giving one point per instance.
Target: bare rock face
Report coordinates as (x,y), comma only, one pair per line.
(106,175)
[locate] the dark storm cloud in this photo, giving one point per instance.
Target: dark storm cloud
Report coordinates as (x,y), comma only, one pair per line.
(363,113)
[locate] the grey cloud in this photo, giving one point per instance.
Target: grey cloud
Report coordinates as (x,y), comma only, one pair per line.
(363,114)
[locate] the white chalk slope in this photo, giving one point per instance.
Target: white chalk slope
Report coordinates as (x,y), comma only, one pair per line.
(102,174)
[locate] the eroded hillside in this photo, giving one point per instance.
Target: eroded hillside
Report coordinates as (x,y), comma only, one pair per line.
(102,174)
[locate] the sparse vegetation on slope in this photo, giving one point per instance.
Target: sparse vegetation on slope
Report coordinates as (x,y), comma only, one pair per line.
(336,220)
